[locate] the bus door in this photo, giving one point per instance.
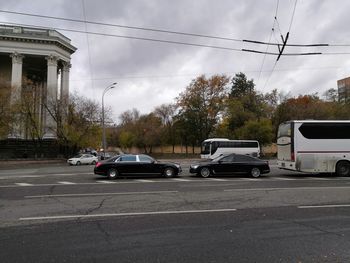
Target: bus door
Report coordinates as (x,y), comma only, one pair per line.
(285,149)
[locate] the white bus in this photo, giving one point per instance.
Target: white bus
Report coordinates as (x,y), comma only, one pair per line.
(212,148)
(314,146)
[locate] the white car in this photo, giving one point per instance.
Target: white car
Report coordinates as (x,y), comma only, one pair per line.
(82,159)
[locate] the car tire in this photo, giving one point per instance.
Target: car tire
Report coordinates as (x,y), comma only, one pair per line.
(255,172)
(78,163)
(93,162)
(112,173)
(169,172)
(343,168)
(204,172)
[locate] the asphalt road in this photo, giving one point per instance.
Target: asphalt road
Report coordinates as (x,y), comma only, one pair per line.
(58,213)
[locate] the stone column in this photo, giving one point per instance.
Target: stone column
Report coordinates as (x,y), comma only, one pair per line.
(16,90)
(65,86)
(50,126)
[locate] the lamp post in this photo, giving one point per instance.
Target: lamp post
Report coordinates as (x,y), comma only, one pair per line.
(103,117)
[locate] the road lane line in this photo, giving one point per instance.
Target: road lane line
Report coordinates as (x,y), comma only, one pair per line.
(283,178)
(106,182)
(287,188)
(23,184)
(18,176)
(100,194)
(65,182)
(323,206)
(127,214)
(181,179)
(144,181)
(217,179)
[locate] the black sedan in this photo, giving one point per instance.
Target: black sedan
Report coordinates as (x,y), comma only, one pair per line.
(231,164)
(135,165)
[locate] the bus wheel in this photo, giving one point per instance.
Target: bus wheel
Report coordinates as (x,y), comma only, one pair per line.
(255,172)
(343,168)
(204,172)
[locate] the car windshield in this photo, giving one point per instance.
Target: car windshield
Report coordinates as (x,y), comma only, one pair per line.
(78,156)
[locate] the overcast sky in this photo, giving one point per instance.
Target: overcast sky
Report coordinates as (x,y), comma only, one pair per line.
(151,73)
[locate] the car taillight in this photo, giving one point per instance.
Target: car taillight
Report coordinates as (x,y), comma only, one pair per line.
(292,156)
(98,164)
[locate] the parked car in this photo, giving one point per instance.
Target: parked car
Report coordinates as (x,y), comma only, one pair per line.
(231,164)
(83,159)
(135,165)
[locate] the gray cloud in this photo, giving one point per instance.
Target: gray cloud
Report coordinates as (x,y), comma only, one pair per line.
(149,74)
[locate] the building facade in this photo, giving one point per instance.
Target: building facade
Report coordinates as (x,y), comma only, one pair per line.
(344,89)
(35,61)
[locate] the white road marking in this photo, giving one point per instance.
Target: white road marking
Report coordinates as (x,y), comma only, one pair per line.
(65,182)
(23,184)
(323,206)
(106,182)
(283,178)
(181,180)
(128,214)
(251,179)
(18,176)
(144,181)
(101,194)
(287,188)
(217,179)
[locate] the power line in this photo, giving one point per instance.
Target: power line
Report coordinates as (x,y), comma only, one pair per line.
(122,26)
(291,21)
(159,30)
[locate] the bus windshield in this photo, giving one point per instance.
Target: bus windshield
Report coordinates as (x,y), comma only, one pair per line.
(284,130)
(205,148)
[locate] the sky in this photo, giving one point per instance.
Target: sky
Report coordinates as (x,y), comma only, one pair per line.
(150,73)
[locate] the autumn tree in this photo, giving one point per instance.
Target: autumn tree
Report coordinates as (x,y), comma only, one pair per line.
(167,112)
(201,105)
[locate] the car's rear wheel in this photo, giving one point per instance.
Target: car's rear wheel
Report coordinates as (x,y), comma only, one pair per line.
(255,172)
(112,173)
(78,163)
(204,172)
(93,162)
(169,172)
(343,168)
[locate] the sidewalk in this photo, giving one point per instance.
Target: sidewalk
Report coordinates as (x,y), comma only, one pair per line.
(20,163)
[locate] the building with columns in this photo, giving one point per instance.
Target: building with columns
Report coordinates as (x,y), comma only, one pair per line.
(35,60)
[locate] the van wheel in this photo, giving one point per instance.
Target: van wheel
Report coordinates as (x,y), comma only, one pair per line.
(343,168)
(112,173)
(255,172)
(204,172)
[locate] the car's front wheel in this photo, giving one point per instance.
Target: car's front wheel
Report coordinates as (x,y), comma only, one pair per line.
(93,162)
(255,172)
(112,173)
(169,172)
(204,172)
(78,163)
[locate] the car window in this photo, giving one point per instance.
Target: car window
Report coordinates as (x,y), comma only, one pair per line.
(145,159)
(243,158)
(227,159)
(128,158)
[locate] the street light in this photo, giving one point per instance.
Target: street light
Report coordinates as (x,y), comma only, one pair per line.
(103,117)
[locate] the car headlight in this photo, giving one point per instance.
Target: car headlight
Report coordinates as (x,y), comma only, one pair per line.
(194,166)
